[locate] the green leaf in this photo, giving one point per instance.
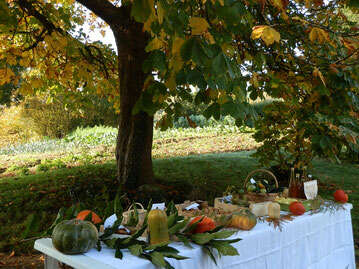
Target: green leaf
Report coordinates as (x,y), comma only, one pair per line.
(171,220)
(202,238)
(157,259)
(177,227)
(140,10)
(111,243)
(135,250)
(89,217)
(171,209)
(184,240)
(223,234)
(117,206)
(224,248)
(98,245)
(213,110)
(139,232)
(118,254)
(155,246)
(219,64)
(210,253)
(193,226)
(167,249)
(186,49)
(175,256)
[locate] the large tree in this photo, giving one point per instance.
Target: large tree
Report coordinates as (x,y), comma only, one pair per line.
(232,50)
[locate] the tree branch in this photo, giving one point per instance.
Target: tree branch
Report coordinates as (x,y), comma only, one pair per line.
(105,10)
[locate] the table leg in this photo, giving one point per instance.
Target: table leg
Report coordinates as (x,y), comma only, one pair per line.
(51,263)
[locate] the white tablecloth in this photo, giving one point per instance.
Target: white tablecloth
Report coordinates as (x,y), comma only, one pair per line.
(316,241)
(319,241)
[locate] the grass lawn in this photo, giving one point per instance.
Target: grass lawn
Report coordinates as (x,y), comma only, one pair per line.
(197,176)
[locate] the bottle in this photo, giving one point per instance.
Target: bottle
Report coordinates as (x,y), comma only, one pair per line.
(292,184)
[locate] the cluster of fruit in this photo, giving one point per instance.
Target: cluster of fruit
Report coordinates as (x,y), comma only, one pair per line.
(259,186)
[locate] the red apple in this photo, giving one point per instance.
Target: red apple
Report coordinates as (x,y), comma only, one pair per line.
(340,196)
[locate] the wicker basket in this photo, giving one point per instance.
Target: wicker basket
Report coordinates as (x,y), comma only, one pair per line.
(261,197)
(141,214)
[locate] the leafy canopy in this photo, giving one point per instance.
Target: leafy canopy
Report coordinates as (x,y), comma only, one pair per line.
(301,52)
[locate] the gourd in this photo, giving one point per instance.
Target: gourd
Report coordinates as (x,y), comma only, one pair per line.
(297,208)
(74,236)
(340,196)
(274,210)
(205,225)
(244,220)
(83,214)
(157,226)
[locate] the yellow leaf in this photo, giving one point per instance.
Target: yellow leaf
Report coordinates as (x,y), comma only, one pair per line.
(222,98)
(171,82)
(209,37)
(257,31)
(36,83)
(266,33)
(176,62)
(11,59)
(160,12)
(155,44)
(317,73)
(221,2)
(270,36)
(199,25)
(318,34)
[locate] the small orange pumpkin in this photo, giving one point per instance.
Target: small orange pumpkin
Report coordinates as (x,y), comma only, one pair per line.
(244,220)
(297,208)
(83,214)
(205,225)
(340,196)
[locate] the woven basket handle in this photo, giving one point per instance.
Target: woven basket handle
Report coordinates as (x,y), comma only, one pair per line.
(263,171)
(131,206)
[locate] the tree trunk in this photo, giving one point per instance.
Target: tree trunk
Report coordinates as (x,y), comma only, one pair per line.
(135,133)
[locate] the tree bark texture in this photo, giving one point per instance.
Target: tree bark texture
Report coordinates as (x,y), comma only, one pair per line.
(135,133)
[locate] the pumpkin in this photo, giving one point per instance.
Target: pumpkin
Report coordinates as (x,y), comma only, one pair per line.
(74,236)
(157,226)
(244,220)
(83,214)
(205,225)
(340,196)
(297,208)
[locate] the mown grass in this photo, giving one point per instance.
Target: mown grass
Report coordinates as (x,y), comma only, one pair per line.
(191,177)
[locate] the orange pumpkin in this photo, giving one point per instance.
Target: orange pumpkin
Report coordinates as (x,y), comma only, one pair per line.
(244,220)
(83,214)
(297,208)
(205,225)
(340,196)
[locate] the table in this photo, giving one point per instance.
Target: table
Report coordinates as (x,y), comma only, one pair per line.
(322,240)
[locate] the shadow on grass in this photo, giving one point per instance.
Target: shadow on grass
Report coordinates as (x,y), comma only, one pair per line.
(192,177)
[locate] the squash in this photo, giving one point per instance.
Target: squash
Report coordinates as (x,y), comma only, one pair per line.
(340,196)
(205,225)
(83,214)
(297,208)
(74,236)
(157,226)
(244,220)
